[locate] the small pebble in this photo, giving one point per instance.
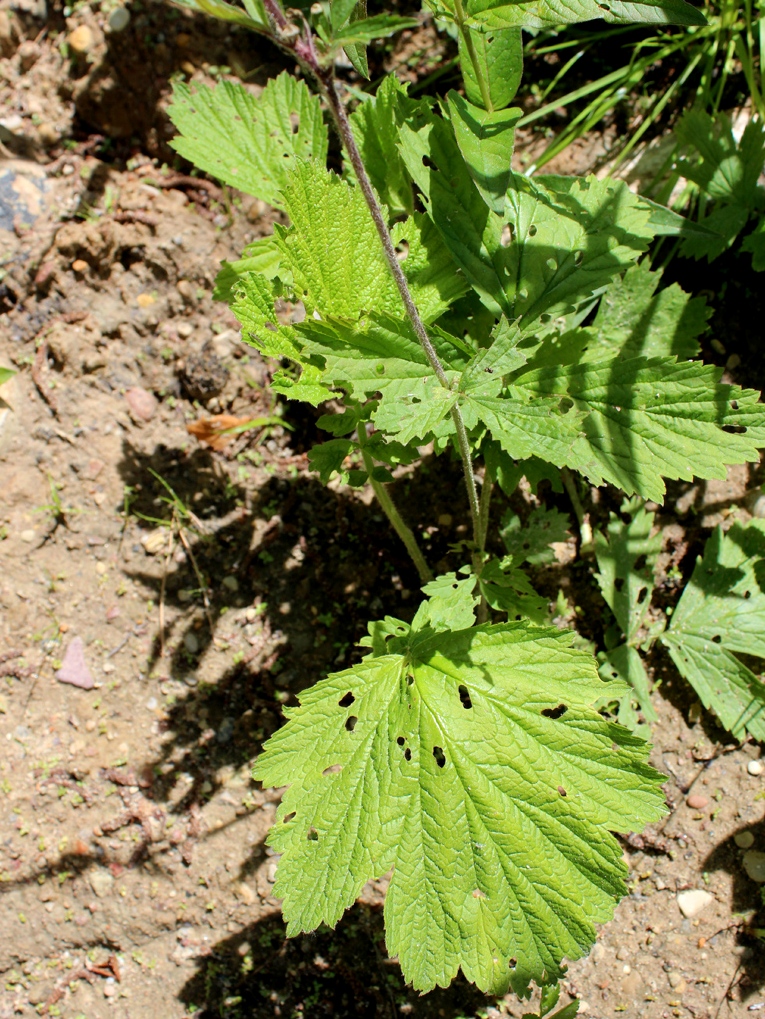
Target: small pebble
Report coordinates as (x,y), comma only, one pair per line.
(754,865)
(80,265)
(151,704)
(191,643)
(119,19)
(744,839)
(80,40)
(101,882)
(692,902)
(231,583)
(755,767)
(623,953)
(697,802)
(28,535)
(142,404)
(74,669)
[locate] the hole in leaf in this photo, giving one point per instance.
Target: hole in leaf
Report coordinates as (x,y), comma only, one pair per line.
(578,257)
(506,238)
(312,835)
(408,754)
(717,639)
(562,791)
(555,712)
(409,680)
(350,723)
(346,700)
(734,429)
(288,817)
(565,405)
(427,161)
(640,563)
(532,231)
(618,584)
(551,264)
(439,756)
(401,741)
(747,594)
(465,697)
(402,250)
(734,404)
(332,769)
(513,963)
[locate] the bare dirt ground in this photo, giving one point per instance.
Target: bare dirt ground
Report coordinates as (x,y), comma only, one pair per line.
(160,601)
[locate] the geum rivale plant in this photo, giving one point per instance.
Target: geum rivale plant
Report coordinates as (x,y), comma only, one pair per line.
(446,302)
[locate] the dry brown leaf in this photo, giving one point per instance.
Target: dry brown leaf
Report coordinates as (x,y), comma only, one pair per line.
(215,431)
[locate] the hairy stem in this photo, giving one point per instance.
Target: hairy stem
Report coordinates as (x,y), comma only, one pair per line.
(470,45)
(585,528)
(402,530)
(484,505)
(346,134)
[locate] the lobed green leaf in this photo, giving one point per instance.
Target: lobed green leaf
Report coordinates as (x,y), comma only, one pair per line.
(474,765)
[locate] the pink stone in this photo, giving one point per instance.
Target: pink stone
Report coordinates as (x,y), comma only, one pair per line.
(697,802)
(74,669)
(141,403)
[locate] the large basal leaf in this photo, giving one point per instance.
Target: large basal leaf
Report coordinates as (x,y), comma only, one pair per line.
(535,14)
(247,141)
(559,240)
(474,765)
(633,320)
(721,613)
(649,419)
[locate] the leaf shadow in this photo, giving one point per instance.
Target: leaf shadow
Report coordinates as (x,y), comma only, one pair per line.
(345,974)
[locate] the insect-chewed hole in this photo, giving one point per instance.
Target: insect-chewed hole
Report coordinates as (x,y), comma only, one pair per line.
(465,697)
(513,963)
(332,769)
(562,791)
(532,230)
(408,754)
(427,161)
(288,817)
(555,712)
(350,723)
(409,680)
(618,584)
(402,250)
(439,756)
(734,429)
(717,639)
(747,594)
(400,740)
(506,238)
(312,835)
(346,700)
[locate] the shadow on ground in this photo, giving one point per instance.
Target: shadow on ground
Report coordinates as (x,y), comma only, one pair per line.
(345,974)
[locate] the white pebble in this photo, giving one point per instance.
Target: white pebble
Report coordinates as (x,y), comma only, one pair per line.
(755,767)
(692,902)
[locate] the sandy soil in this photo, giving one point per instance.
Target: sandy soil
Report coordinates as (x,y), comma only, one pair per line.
(134,877)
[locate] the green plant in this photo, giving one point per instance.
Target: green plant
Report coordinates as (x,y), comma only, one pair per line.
(730,38)
(473,758)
